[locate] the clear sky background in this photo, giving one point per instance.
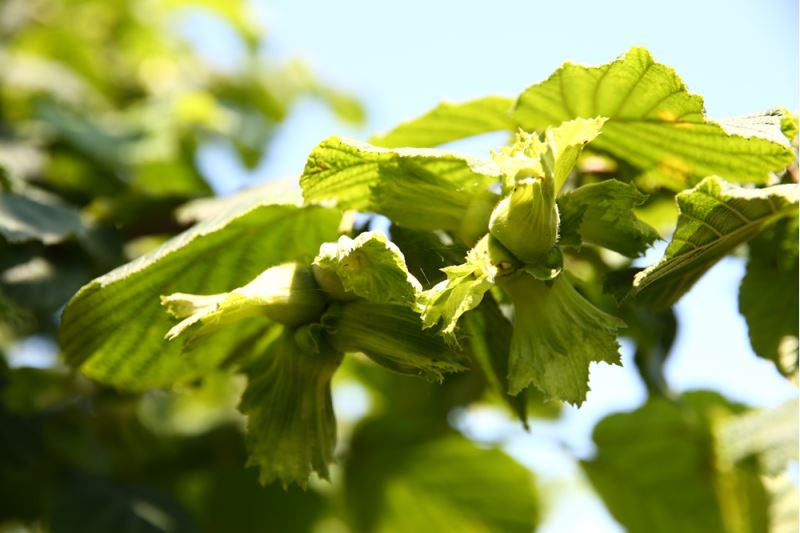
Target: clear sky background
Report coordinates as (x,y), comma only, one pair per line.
(401,58)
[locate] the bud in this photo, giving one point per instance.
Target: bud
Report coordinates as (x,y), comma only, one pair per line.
(526,221)
(392,336)
(286,293)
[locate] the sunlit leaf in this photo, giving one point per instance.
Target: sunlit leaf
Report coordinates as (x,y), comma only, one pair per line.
(654,123)
(450,122)
(715,217)
(114,327)
(370,267)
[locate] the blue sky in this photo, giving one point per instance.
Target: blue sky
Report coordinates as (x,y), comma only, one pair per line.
(402,58)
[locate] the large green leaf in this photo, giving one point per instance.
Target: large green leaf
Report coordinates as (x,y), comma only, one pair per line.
(715,217)
(347,171)
(657,471)
(654,123)
(601,213)
(768,295)
(114,326)
(451,122)
(397,481)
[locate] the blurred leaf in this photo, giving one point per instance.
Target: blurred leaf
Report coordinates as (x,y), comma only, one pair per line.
(126,347)
(656,470)
(85,136)
(236,12)
(768,295)
(654,122)
(450,122)
(488,333)
(769,434)
(195,410)
(98,506)
(398,480)
(43,284)
(232,501)
(715,217)
(38,216)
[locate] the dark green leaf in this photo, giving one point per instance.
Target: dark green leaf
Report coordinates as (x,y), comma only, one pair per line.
(38,216)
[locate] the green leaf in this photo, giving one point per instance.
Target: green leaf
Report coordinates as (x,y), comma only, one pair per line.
(654,123)
(37,216)
(657,471)
(370,267)
(557,335)
(604,214)
(462,291)
(553,155)
(450,122)
(392,336)
(399,482)
(768,295)
(769,434)
(285,293)
(291,429)
(347,171)
(715,217)
(113,328)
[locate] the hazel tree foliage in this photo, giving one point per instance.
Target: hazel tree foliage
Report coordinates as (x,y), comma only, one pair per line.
(501,279)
